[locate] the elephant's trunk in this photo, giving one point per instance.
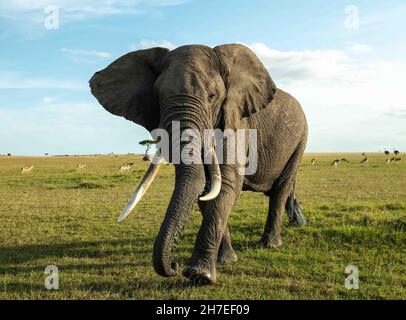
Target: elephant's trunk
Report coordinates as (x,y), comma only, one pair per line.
(189,184)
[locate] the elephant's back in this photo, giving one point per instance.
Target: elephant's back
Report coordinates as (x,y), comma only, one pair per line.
(286,110)
(280,128)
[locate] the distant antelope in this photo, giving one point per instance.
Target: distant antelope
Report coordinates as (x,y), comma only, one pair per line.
(335,163)
(125,167)
(344,160)
(26,169)
(81,165)
(147,158)
(365,160)
(396,152)
(313,161)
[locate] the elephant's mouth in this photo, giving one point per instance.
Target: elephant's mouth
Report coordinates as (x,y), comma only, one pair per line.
(214,183)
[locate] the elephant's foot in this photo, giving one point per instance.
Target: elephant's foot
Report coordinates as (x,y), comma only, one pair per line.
(271,241)
(226,255)
(199,275)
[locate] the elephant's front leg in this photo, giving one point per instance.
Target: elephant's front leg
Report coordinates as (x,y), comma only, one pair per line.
(226,253)
(202,266)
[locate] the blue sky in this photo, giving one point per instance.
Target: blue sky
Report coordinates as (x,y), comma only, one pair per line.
(349,79)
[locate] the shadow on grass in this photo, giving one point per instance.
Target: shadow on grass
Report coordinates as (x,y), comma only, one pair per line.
(85,249)
(19,262)
(84,288)
(75,267)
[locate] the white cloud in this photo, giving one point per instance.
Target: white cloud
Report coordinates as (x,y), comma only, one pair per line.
(336,66)
(89,53)
(90,6)
(32,12)
(359,48)
(397,113)
(348,96)
(146,43)
(48,100)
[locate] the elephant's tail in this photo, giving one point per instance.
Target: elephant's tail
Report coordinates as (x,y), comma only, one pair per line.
(296,217)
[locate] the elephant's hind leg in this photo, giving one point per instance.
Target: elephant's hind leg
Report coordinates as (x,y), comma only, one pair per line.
(278,197)
(271,237)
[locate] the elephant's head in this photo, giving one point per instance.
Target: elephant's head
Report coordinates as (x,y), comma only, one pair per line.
(198,86)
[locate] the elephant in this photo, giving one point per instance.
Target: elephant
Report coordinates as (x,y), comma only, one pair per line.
(225,87)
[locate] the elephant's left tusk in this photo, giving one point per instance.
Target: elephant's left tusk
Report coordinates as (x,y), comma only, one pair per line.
(215,179)
(142,188)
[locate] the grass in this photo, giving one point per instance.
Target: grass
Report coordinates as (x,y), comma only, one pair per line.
(65,216)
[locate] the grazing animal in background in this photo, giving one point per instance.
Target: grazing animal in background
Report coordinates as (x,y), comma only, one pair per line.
(125,167)
(398,159)
(147,158)
(313,162)
(344,160)
(387,152)
(365,160)
(130,164)
(396,152)
(81,165)
(26,169)
(335,163)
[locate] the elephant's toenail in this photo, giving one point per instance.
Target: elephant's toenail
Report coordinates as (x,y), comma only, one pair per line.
(174,266)
(186,272)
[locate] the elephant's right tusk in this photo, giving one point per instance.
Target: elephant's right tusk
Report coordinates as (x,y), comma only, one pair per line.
(215,178)
(142,187)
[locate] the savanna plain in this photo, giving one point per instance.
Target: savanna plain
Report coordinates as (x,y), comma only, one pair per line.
(62,215)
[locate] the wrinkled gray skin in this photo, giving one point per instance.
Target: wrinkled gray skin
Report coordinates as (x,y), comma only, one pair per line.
(202,87)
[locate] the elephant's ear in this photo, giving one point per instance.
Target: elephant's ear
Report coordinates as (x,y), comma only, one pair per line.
(125,87)
(249,85)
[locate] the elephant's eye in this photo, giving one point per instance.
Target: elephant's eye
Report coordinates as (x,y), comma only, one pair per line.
(212,96)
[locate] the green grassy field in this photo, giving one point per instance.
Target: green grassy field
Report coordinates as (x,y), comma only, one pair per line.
(64,216)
